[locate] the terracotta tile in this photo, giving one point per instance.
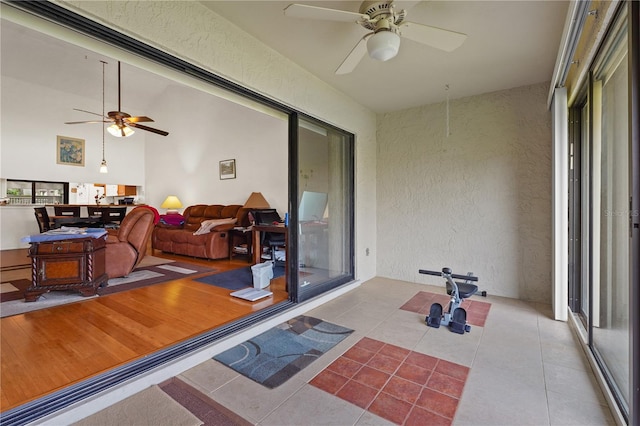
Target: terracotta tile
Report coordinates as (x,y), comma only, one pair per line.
(329,381)
(452,369)
(345,367)
(421,360)
(371,377)
(394,351)
(446,384)
(422,417)
(369,344)
(357,393)
(390,408)
(413,306)
(480,307)
(413,373)
(358,354)
(384,363)
(403,389)
(438,403)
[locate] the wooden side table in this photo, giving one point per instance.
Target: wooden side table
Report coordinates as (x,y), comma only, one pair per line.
(243,233)
(73,264)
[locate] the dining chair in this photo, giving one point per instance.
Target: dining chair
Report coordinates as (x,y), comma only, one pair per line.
(67,210)
(44,223)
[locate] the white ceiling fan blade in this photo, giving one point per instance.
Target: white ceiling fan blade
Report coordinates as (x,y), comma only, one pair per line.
(354,57)
(432,36)
(322,13)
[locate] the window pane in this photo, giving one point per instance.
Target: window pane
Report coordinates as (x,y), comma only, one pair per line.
(325,207)
(611,156)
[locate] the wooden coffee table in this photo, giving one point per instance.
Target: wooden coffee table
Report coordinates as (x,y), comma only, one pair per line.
(67,264)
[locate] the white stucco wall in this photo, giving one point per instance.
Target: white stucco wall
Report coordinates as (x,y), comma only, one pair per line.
(478,200)
(192,32)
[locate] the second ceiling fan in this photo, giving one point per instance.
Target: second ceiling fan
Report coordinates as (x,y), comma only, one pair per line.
(122,121)
(386,25)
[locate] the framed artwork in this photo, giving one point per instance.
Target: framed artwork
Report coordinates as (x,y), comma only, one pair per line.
(228,169)
(70,151)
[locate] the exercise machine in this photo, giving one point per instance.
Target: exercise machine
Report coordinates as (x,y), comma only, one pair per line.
(455,317)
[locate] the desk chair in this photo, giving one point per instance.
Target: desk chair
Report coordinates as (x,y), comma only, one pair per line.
(44,223)
(271,239)
(67,211)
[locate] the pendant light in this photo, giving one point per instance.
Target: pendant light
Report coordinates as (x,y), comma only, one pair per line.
(103,165)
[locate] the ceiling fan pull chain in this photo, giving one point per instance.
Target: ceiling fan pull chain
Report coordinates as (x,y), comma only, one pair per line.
(447,130)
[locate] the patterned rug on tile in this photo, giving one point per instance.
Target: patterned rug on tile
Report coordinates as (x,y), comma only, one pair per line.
(477,311)
(12,295)
(276,355)
(397,384)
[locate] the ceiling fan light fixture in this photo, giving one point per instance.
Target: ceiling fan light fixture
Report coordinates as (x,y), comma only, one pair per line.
(117,130)
(383,45)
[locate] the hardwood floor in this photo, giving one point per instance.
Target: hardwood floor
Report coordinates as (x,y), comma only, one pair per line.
(49,349)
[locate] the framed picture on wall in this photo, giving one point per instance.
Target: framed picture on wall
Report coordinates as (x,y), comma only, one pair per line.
(228,169)
(70,151)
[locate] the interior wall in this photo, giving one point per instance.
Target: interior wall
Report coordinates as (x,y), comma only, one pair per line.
(205,131)
(478,200)
(33,116)
(195,33)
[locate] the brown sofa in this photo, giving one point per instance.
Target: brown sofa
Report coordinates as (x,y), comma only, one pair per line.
(210,241)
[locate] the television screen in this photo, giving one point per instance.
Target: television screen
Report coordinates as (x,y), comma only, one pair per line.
(312,206)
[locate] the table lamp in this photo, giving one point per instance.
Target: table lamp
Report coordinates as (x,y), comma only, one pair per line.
(172,204)
(256,201)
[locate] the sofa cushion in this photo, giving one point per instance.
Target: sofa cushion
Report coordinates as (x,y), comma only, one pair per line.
(208,225)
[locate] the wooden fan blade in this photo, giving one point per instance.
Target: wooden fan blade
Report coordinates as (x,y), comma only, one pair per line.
(147,128)
(354,57)
(137,119)
(432,36)
(88,112)
(322,13)
(85,122)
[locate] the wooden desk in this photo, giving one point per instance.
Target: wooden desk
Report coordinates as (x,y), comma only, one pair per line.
(257,247)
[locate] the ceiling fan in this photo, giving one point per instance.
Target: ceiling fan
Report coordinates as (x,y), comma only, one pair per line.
(122,122)
(386,26)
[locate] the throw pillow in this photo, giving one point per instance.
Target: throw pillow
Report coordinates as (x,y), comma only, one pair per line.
(207,225)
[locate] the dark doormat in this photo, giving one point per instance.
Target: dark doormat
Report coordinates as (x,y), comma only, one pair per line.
(236,279)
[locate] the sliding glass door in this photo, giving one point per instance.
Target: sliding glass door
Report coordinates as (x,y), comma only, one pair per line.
(604,274)
(323,208)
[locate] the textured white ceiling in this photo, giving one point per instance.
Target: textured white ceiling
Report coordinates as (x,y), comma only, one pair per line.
(509,44)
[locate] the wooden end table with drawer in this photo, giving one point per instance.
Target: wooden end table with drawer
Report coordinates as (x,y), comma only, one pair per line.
(72,264)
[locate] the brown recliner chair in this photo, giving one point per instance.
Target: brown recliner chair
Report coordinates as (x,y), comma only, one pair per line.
(126,248)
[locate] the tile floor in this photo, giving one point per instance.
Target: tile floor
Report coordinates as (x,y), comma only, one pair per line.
(519,367)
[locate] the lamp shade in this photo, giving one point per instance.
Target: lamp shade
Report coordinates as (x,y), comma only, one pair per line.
(171,202)
(383,45)
(117,131)
(256,201)
(103,167)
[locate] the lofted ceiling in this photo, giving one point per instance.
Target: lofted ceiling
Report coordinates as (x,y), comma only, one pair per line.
(510,44)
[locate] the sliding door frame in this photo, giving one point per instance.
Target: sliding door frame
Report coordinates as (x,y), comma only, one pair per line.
(634,214)
(76,393)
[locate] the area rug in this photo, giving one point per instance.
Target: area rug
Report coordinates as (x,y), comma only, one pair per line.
(273,357)
(13,300)
(236,279)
